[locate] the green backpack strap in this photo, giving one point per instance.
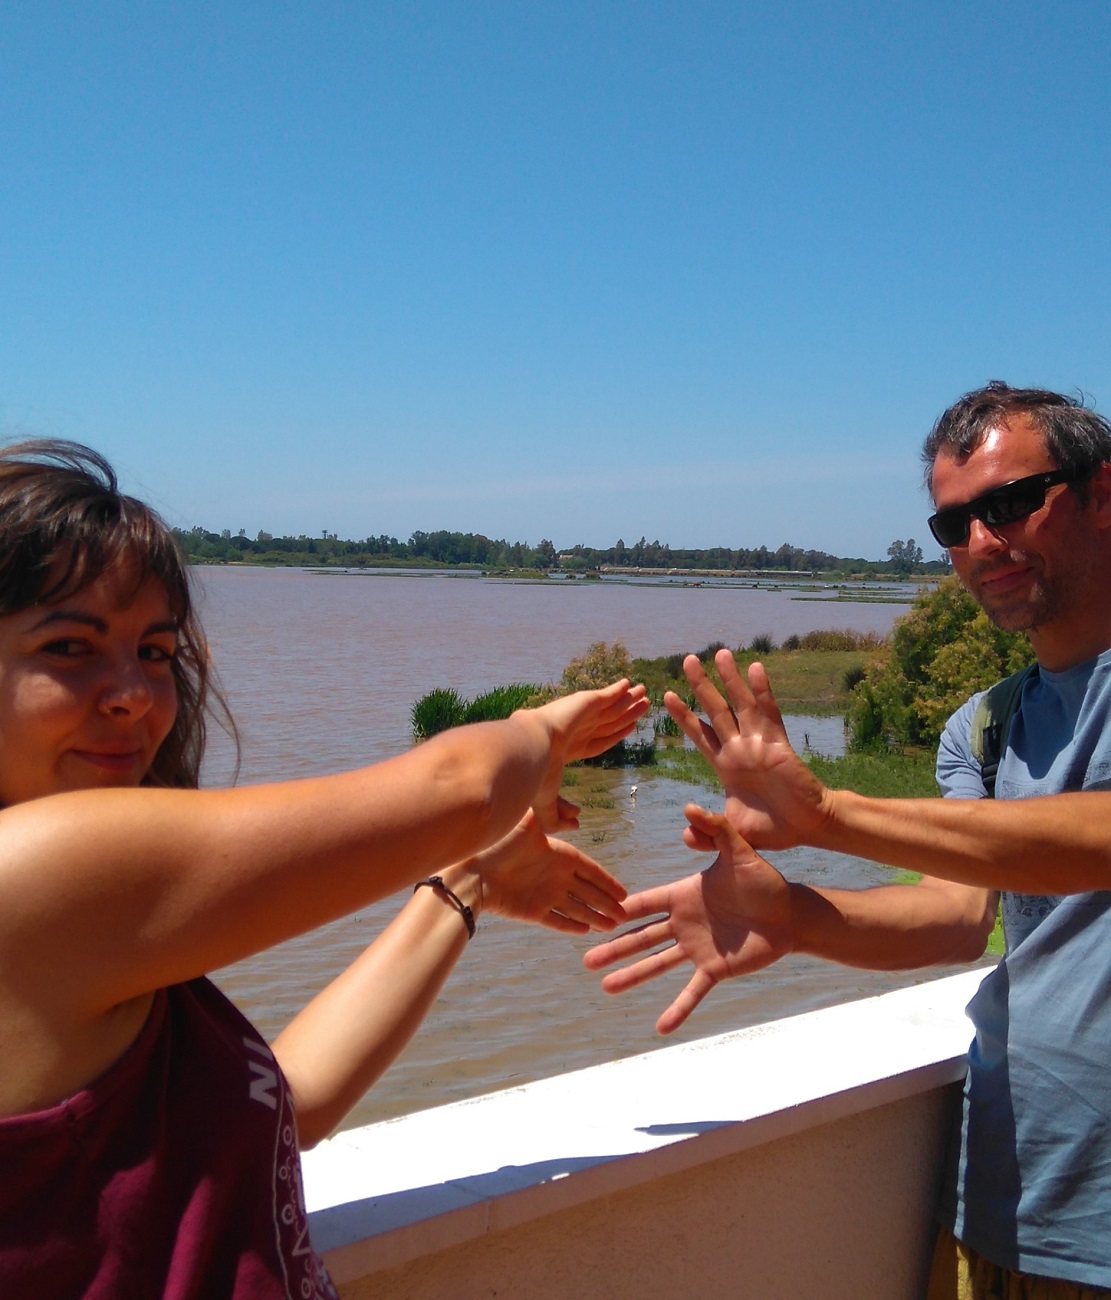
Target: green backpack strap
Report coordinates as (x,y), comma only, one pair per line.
(991,722)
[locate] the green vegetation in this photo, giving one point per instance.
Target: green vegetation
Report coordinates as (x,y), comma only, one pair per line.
(941,652)
(905,557)
(437,711)
(500,702)
(422,550)
(444,549)
(812,674)
(881,776)
(443,708)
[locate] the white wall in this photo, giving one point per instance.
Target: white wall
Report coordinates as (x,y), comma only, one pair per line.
(795,1159)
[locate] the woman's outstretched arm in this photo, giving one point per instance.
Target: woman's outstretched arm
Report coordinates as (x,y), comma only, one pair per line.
(144,888)
(344,1040)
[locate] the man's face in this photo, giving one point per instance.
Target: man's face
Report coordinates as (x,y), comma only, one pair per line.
(1036,571)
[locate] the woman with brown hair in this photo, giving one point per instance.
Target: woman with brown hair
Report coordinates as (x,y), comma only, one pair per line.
(149,1138)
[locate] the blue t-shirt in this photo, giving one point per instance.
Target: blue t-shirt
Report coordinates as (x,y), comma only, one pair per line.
(1032,1185)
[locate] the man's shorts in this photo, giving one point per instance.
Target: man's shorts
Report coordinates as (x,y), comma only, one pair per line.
(960,1274)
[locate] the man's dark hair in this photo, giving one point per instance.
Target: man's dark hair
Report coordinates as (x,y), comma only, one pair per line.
(1075,436)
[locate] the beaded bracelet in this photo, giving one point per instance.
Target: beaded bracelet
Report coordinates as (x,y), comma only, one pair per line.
(437,882)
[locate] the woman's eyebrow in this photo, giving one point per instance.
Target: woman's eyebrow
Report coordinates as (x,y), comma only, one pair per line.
(99,624)
(71,616)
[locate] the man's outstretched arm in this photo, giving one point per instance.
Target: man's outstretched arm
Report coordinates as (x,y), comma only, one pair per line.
(740,915)
(1058,844)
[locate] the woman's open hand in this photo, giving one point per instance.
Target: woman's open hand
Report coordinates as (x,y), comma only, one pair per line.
(583,725)
(528,876)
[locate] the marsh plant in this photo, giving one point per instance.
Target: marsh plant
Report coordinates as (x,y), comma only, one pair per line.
(444,708)
(500,702)
(435,712)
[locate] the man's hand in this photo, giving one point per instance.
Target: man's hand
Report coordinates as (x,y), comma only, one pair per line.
(771,797)
(731,919)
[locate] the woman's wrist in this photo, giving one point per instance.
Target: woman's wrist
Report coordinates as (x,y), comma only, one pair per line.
(438,886)
(464,879)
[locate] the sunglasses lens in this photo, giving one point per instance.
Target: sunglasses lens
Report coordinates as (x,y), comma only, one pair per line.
(1014,502)
(950,527)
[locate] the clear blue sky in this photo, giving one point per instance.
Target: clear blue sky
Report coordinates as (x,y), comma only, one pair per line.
(700,271)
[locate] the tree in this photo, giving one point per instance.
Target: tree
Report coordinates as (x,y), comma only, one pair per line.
(939,654)
(905,557)
(547,551)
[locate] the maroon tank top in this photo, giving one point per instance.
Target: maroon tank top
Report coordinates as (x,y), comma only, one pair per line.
(175,1174)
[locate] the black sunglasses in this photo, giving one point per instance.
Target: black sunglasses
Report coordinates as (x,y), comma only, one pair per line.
(1003,505)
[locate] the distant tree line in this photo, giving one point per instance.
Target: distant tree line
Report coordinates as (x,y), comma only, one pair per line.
(433,549)
(445,548)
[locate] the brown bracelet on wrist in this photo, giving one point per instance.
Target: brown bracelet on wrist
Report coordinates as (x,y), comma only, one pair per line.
(437,882)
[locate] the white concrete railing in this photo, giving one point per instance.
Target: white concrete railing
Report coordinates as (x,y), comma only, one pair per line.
(796,1159)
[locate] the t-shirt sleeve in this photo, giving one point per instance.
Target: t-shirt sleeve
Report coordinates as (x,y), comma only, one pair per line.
(958,773)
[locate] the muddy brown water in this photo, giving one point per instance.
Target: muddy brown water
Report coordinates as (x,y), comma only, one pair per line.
(322,670)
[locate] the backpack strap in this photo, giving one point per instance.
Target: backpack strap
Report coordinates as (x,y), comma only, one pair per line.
(991,724)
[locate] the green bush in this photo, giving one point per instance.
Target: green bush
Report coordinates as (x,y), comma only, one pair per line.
(601,666)
(435,712)
(836,639)
(499,703)
(673,665)
(939,654)
(853,676)
(763,644)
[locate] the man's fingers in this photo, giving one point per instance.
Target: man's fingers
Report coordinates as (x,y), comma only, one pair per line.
(630,944)
(717,709)
(699,985)
(732,679)
(630,977)
(762,694)
(690,724)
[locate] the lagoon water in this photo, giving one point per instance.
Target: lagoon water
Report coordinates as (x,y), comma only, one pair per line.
(321,671)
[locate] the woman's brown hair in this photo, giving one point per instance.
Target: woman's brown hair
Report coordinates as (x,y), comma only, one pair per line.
(63,524)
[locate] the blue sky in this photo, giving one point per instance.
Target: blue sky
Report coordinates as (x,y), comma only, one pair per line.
(703,272)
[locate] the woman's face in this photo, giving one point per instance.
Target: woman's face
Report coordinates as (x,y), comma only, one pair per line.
(87,692)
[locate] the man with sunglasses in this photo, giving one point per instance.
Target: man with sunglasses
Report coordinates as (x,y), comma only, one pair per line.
(1021,484)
